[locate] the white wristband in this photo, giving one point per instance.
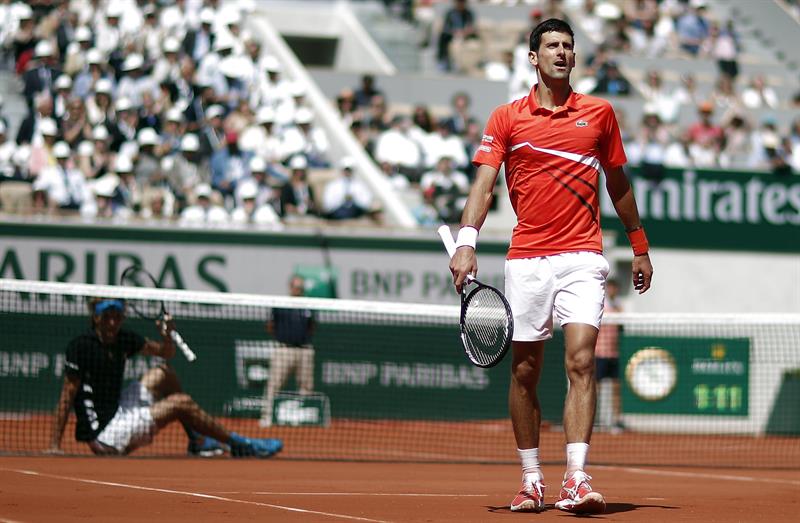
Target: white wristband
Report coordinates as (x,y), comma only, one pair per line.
(467,236)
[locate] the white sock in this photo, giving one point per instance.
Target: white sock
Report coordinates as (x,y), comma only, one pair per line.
(576,456)
(531,470)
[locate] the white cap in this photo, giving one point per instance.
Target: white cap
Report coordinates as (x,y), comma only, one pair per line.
(257,165)
(94,56)
(230,15)
(265,114)
(114,10)
(43,48)
(133,61)
(203,190)
(123,164)
(207,15)
(214,111)
(123,104)
(271,64)
(103,85)
(607,11)
(23,11)
(100,133)
(106,185)
(190,143)
(303,116)
(298,162)
(223,41)
(48,127)
(174,115)
(171,45)
(85,148)
(61,150)
(248,190)
(297,88)
(232,67)
(148,136)
(83,34)
(63,82)
(347,162)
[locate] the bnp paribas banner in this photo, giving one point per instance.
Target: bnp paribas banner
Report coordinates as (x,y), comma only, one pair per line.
(717,210)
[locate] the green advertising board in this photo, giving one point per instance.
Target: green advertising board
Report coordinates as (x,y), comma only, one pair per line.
(715,209)
(678,375)
(362,371)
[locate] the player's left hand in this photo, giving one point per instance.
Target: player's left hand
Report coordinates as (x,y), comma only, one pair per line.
(642,272)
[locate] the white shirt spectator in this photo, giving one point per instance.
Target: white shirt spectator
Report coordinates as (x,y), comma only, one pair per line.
(396,147)
(202,214)
(260,215)
(438,145)
(64,185)
(344,189)
(445,178)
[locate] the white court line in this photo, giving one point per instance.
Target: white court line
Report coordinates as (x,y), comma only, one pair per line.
(409,494)
(191,494)
(9,521)
(703,475)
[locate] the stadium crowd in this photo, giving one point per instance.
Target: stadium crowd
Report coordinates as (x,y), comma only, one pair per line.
(172,110)
(166,110)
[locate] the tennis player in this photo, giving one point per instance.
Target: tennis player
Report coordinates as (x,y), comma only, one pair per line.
(553,143)
(113,420)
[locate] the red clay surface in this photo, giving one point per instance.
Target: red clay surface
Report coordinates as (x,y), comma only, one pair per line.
(220,490)
(440,441)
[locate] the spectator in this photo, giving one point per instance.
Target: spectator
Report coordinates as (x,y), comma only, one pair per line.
(458,22)
(42,154)
(366,91)
(758,95)
(272,91)
(86,79)
(346,106)
(396,147)
(737,151)
(41,77)
(24,39)
(228,166)
(687,93)
(706,138)
(74,124)
(93,375)
(65,185)
(297,196)
(157,203)
(725,97)
(649,149)
(147,163)
(306,139)
(62,88)
(204,211)
(722,44)
(443,142)
(612,82)
(346,197)
(249,211)
(264,178)
(30,130)
(692,28)
(450,188)
(198,42)
(661,99)
(293,353)
(99,108)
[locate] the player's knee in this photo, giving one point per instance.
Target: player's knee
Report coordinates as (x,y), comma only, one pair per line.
(525,373)
(580,363)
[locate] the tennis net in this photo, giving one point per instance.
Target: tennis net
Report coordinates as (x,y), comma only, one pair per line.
(391,382)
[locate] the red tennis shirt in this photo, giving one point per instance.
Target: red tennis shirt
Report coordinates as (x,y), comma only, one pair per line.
(553,161)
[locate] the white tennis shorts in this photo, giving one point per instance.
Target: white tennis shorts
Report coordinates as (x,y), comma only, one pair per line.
(133,425)
(570,286)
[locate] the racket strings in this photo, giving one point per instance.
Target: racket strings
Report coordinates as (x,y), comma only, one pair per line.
(151,309)
(486,325)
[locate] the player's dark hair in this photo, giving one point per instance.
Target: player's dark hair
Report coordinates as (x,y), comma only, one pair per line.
(550,25)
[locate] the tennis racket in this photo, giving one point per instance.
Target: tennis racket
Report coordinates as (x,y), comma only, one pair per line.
(487,325)
(150,309)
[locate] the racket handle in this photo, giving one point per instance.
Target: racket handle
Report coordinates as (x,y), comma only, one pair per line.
(450,245)
(447,240)
(190,355)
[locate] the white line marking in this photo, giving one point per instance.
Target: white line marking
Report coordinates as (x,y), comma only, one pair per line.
(9,521)
(191,494)
(704,475)
(409,494)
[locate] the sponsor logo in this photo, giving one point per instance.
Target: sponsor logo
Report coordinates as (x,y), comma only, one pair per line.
(485,148)
(487,138)
(581,123)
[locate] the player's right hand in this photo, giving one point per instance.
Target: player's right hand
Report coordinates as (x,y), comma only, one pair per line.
(462,263)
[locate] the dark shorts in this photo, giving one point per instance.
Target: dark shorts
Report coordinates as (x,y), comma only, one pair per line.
(606,368)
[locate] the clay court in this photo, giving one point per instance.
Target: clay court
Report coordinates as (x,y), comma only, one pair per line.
(129,489)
